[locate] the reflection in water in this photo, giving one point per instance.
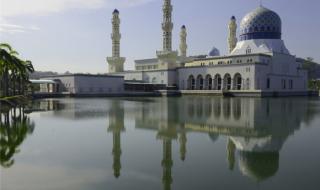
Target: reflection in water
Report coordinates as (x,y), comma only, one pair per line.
(116,126)
(255,128)
(14,128)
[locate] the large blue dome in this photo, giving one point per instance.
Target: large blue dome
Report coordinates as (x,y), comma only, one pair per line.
(261,23)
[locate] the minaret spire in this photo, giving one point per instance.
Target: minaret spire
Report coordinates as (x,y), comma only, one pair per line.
(115,62)
(232,38)
(167,25)
(183,42)
(167,58)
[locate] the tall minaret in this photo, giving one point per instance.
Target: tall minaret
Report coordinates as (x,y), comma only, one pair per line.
(183,42)
(167,25)
(167,57)
(116,62)
(232,39)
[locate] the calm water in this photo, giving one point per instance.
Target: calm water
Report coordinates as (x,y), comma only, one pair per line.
(183,143)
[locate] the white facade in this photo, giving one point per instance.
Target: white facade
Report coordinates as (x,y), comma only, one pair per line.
(259,62)
(81,84)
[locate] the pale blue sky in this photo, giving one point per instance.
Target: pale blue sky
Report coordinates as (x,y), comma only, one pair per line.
(74,35)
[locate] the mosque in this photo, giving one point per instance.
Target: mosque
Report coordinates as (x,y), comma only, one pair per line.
(258,63)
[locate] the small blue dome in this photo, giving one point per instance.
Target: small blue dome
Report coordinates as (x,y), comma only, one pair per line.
(214,52)
(260,23)
(116,11)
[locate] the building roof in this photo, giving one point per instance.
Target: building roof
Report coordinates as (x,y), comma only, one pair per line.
(146,61)
(82,75)
(42,81)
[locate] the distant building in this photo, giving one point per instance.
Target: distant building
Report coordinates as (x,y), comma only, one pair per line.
(258,62)
(83,84)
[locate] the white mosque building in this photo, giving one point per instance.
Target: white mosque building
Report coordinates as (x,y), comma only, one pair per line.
(258,63)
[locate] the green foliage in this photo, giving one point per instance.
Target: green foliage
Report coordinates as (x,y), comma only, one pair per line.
(14,72)
(314,84)
(312,67)
(14,128)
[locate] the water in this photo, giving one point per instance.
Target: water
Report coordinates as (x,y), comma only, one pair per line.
(162,143)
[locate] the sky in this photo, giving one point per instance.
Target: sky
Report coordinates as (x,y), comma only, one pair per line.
(74,35)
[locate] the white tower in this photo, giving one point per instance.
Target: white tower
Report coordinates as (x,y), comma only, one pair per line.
(167,25)
(183,42)
(232,39)
(167,57)
(116,62)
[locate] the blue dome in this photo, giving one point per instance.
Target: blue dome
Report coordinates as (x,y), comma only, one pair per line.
(261,23)
(214,52)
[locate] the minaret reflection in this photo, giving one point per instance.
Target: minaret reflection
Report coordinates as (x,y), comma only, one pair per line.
(167,133)
(116,126)
(183,144)
(231,151)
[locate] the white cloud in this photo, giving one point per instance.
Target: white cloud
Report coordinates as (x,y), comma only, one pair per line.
(7,27)
(12,8)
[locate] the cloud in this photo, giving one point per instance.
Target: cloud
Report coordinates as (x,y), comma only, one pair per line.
(13,8)
(7,27)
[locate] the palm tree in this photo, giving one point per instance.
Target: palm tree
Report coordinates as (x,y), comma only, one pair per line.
(13,71)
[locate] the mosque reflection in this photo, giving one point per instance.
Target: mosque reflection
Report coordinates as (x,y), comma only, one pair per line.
(15,126)
(256,129)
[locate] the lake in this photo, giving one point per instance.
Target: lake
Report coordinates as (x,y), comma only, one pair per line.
(186,143)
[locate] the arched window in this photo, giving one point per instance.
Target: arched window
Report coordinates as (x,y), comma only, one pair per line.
(248,50)
(200,82)
(208,82)
(237,82)
(217,82)
(227,82)
(191,82)
(268,83)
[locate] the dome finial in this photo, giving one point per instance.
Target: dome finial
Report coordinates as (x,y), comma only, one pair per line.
(261,5)
(116,11)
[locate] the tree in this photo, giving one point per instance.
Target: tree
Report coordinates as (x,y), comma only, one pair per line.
(14,72)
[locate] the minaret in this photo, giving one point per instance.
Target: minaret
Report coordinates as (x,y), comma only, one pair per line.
(167,25)
(167,57)
(116,62)
(232,39)
(183,42)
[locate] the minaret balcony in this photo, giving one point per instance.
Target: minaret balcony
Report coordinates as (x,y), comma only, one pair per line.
(167,26)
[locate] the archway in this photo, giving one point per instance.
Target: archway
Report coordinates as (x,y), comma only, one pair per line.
(227,82)
(208,82)
(237,82)
(200,82)
(217,82)
(191,82)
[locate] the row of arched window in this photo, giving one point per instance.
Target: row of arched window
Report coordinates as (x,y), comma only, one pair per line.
(217,82)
